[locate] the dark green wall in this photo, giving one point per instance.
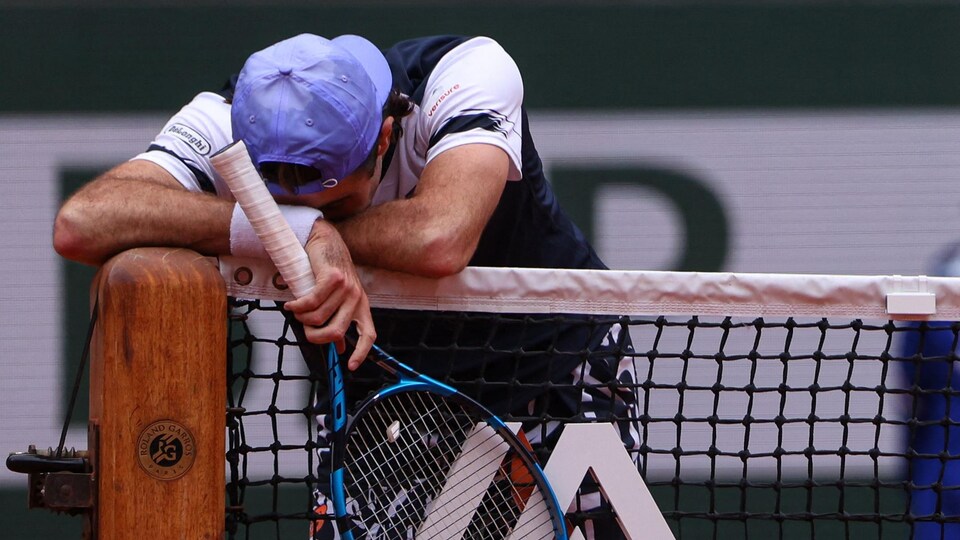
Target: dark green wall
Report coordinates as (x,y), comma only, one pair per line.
(120,59)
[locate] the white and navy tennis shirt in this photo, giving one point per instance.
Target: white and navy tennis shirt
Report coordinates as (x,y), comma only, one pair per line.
(466,91)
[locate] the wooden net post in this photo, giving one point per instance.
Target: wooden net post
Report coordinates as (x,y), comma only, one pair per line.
(158,396)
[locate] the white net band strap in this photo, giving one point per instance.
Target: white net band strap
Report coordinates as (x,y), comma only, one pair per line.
(537,290)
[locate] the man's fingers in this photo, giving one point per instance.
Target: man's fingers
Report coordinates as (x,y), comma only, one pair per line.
(321,305)
(335,331)
(335,327)
(332,332)
(330,283)
(360,350)
(366,334)
(320,314)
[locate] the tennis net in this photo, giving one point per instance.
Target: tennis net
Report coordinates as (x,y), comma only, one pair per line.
(773,405)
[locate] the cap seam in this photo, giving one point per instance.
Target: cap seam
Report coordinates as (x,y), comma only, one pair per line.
(344,110)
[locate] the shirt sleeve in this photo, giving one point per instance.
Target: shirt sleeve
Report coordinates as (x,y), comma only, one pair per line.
(474,95)
(184,145)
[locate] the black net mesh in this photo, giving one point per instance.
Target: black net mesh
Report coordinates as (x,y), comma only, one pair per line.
(740,427)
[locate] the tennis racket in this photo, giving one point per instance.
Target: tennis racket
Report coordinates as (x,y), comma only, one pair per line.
(418,459)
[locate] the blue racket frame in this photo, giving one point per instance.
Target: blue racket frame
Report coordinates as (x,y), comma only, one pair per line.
(408,380)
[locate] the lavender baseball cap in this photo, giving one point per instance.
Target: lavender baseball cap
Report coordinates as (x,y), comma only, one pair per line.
(312,101)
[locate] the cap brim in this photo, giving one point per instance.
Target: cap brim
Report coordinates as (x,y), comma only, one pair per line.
(372,60)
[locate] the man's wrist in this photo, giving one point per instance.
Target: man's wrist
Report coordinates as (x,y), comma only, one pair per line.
(244,241)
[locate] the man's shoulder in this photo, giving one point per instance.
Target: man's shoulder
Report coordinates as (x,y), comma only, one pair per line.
(209,101)
(413,61)
(424,49)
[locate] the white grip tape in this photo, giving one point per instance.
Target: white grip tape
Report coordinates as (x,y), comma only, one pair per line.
(234,166)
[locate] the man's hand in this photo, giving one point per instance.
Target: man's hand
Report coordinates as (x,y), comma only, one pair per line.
(337,300)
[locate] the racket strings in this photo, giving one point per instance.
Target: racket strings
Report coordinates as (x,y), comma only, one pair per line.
(498,515)
(375,454)
(512,492)
(441,474)
(429,442)
(391,482)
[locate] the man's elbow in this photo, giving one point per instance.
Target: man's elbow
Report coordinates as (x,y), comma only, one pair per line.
(444,256)
(70,241)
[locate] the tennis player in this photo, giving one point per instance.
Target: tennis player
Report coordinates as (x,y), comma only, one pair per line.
(418,159)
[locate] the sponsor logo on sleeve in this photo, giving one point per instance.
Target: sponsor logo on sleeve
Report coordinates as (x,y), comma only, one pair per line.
(191,137)
(446,93)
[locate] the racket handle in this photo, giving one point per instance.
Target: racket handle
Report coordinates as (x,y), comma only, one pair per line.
(233,164)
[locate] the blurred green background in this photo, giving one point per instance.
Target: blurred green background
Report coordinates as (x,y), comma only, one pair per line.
(573,55)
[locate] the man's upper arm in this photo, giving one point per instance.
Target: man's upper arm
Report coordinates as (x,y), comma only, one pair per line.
(143,171)
(184,145)
(468,131)
(465,177)
(474,96)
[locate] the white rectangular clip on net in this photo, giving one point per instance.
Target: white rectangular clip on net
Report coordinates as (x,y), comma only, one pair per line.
(915,302)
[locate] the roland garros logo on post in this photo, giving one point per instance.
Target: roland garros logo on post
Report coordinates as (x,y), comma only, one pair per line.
(166,450)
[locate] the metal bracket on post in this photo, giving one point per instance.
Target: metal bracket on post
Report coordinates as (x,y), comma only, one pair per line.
(60,483)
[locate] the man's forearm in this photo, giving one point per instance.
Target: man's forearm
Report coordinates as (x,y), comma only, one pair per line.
(126,208)
(435,232)
(410,236)
(382,238)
